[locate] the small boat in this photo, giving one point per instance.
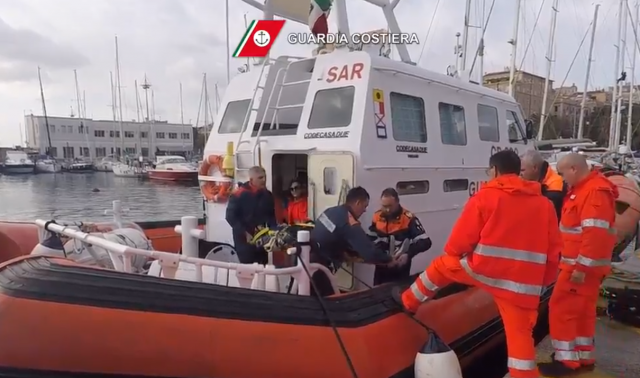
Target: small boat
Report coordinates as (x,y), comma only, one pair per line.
(173,168)
(80,167)
(105,164)
(128,170)
(17,162)
(47,165)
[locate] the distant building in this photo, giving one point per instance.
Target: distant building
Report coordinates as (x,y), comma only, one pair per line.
(89,138)
(528,89)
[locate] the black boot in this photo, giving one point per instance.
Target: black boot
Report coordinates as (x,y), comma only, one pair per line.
(557,369)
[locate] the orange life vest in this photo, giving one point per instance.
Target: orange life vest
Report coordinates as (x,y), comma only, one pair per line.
(511,254)
(297,211)
(588,216)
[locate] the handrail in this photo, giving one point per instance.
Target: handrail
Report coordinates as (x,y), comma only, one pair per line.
(121,256)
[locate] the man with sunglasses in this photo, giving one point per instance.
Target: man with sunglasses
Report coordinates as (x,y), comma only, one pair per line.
(297,208)
(391,228)
(251,206)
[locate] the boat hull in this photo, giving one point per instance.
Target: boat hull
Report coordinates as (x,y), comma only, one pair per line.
(48,168)
(84,168)
(123,170)
(181,176)
(188,329)
(18,169)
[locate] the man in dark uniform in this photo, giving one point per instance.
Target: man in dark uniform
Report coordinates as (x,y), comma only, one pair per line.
(337,230)
(535,168)
(250,208)
(392,227)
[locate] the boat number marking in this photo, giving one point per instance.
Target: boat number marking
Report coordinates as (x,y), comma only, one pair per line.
(412,149)
(495,149)
(346,72)
(475,186)
(327,135)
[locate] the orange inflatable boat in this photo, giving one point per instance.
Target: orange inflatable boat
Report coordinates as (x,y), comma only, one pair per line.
(61,319)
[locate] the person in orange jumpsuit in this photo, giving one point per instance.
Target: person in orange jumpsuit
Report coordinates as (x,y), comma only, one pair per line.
(588,216)
(535,168)
(506,242)
(297,208)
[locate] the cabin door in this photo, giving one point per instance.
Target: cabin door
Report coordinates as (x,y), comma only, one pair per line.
(330,178)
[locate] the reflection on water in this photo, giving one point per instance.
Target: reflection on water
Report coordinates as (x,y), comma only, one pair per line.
(70,196)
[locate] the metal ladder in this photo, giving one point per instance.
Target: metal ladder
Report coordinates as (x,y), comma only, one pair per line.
(242,141)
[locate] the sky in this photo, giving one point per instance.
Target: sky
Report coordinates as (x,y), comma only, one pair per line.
(175,42)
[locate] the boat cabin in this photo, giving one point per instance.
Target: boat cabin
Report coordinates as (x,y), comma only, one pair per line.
(356,118)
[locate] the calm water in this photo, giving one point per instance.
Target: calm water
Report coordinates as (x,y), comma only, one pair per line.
(69,196)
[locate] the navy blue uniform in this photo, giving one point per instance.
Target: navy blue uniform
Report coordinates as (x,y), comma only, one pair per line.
(247,210)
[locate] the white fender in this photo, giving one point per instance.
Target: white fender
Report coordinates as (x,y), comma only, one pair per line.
(436,360)
(51,246)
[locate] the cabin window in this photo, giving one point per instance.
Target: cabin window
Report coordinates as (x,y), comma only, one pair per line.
(406,188)
(233,117)
(456,185)
(453,128)
(515,130)
(408,118)
(329,175)
(332,108)
(488,123)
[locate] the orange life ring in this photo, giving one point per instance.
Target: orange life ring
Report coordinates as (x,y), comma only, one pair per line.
(211,190)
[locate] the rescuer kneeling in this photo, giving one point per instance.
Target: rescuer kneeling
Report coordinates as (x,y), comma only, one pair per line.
(588,216)
(506,242)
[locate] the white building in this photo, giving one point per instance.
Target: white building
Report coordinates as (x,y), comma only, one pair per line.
(89,138)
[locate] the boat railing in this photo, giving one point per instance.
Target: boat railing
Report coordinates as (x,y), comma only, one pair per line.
(249,276)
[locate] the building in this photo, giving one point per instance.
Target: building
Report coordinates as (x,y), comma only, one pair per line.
(528,89)
(89,138)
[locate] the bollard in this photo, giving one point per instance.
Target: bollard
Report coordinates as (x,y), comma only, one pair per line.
(189,243)
(304,282)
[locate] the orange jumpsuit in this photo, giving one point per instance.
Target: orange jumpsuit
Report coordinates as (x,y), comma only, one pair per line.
(297,210)
(588,216)
(512,254)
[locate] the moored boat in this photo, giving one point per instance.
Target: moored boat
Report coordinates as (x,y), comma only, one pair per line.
(47,165)
(79,167)
(17,162)
(173,168)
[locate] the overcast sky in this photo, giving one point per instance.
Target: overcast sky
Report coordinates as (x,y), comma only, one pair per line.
(173,41)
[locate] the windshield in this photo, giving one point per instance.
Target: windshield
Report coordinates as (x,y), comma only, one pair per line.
(332,108)
(173,161)
(234,117)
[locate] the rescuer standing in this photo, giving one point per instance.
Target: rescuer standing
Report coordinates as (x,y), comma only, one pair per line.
(506,242)
(588,216)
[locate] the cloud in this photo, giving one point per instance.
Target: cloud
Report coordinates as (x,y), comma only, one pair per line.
(176,41)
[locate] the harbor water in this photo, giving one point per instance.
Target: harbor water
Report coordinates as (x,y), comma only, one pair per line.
(85,197)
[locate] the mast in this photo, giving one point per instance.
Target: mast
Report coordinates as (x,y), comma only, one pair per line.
(146,87)
(44,112)
(138,152)
(119,99)
(550,57)
(113,111)
(153,114)
(633,81)
(21,135)
(586,77)
(623,47)
(206,107)
(80,115)
(226,11)
(181,116)
(465,36)
(246,26)
(457,52)
(612,124)
(514,48)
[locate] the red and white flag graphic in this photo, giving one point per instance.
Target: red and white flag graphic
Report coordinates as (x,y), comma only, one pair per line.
(258,39)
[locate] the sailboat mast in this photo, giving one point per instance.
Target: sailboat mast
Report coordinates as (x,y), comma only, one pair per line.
(623,47)
(138,152)
(514,49)
(44,112)
(614,96)
(586,76)
(80,115)
(206,108)
(146,87)
(113,111)
(465,36)
(550,58)
(632,84)
(119,99)
(181,116)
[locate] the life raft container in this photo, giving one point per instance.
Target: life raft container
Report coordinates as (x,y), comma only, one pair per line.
(214,191)
(150,326)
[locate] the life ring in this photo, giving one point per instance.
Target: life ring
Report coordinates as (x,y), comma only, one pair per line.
(211,190)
